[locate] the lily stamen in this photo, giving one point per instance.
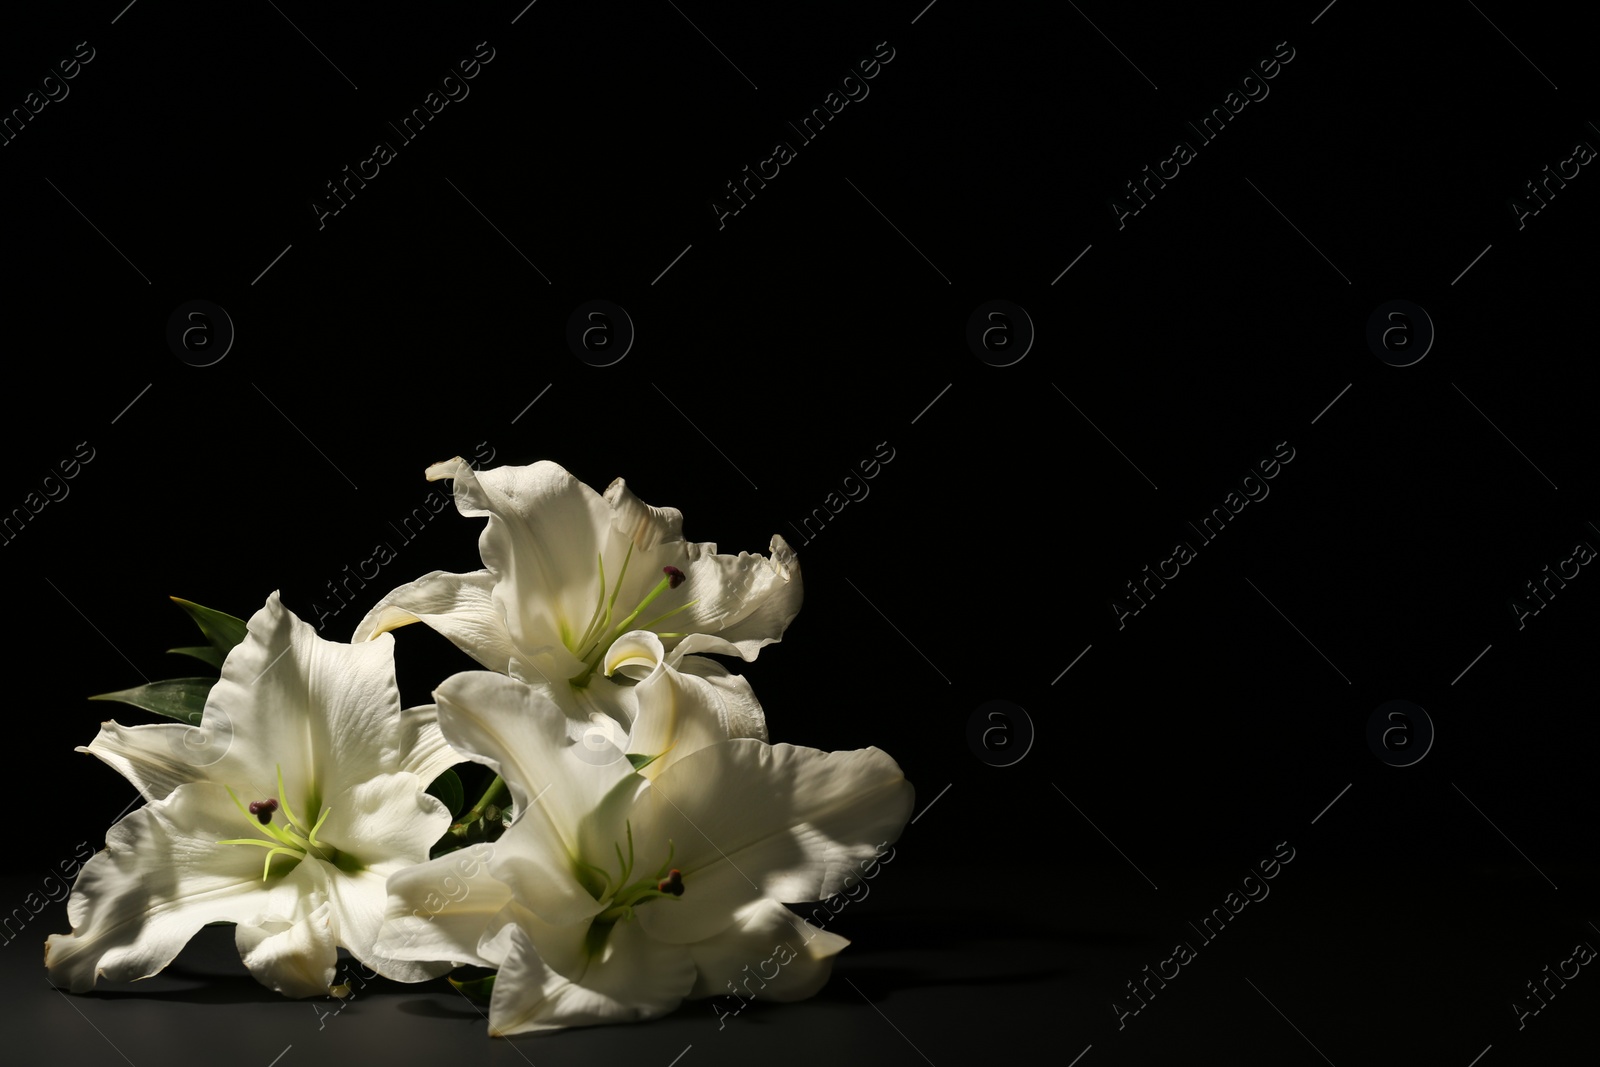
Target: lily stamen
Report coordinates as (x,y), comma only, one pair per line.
(288,812)
(282,840)
(600,633)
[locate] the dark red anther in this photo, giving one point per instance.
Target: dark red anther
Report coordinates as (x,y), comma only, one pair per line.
(672,883)
(674,575)
(263,809)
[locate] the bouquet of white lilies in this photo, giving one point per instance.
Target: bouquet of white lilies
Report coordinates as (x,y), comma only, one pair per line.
(635,848)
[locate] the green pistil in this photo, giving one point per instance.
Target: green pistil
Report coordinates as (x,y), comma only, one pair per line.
(600,633)
(666,882)
(295,840)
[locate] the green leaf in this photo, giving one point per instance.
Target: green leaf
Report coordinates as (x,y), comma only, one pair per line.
(477,989)
(183,699)
(447,787)
(221,629)
(203,653)
(641,761)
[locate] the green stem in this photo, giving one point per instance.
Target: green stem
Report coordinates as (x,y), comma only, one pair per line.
(476,811)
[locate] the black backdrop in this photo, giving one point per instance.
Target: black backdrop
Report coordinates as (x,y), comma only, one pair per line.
(1172,336)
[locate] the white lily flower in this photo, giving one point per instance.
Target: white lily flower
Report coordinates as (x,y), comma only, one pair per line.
(616,895)
(285,811)
(567,573)
(664,714)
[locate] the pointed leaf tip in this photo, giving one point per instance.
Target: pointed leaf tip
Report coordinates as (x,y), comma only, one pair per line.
(183,699)
(224,631)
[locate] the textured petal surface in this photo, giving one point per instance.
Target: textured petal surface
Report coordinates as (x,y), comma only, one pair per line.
(423,750)
(324,712)
(679,713)
(767,953)
(750,820)
(294,955)
(745,601)
(440,910)
(462,607)
(357,901)
(154,758)
(161,877)
(384,820)
(556,784)
(546,530)
(738,710)
(631,979)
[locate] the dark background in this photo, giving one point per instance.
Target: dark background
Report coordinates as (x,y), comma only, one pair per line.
(824,323)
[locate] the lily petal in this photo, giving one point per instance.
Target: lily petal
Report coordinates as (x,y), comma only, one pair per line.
(632,978)
(544,534)
(556,785)
(462,607)
(640,523)
(738,709)
(768,952)
(439,910)
(296,957)
(161,877)
(746,601)
(743,602)
(387,820)
(154,758)
(680,713)
(322,711)
(749,820)
(423,750)
(357,901)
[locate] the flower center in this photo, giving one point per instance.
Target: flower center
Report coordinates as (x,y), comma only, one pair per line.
(600,633)
(295,839)
(625,893)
